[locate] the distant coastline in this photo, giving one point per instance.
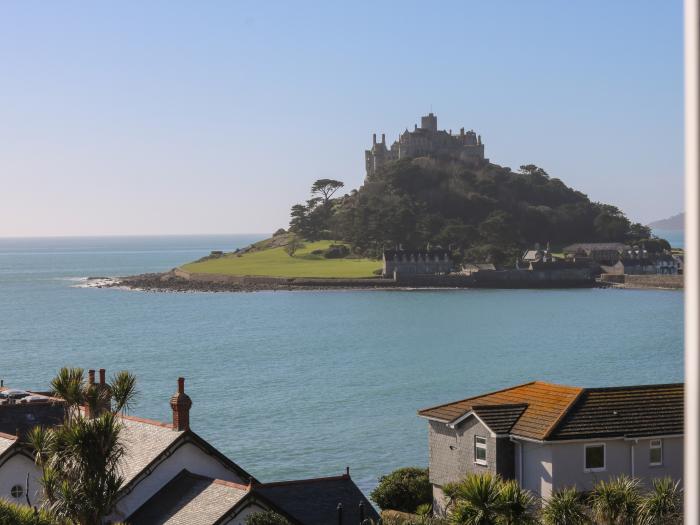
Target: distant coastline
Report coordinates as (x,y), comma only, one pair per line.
(675,222)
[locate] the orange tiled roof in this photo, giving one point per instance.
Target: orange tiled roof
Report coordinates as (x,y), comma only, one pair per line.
(547,404)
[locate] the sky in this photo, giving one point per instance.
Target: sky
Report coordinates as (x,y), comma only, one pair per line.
(123,118)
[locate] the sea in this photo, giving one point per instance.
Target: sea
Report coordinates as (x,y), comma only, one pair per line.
(304,383)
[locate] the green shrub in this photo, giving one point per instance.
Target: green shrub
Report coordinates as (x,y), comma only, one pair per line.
(336,251)
(266,517)
(565,506)
(13,514)
(403,490)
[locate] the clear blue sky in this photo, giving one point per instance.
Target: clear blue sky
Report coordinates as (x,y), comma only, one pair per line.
(215,117)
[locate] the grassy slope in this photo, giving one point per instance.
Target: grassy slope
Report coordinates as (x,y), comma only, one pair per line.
(276,263)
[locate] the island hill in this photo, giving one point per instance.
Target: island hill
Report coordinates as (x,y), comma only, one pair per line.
(432,194)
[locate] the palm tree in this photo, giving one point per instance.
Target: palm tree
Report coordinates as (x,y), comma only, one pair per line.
(79,459)
(515,504)
(615,502)
(69,385)
(118,395)
(476,500)
(663,505)
(565,507)
(123,390)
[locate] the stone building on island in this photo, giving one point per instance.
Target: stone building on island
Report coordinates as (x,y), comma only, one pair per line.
(425,140)
(416,262)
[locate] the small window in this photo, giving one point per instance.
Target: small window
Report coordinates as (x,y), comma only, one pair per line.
(594,457)
(656,452)
(480,450)
(17,491)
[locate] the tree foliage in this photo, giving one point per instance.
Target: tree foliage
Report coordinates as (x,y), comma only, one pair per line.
(80,458)
(14,514)
(404,489)
(266,517)
(483,210)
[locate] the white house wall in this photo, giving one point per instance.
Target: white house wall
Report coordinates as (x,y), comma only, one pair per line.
(14,472)
(187,456)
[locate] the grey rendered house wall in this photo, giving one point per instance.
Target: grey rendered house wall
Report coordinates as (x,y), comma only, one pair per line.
(672,463)
(552,466)
(451,455)
(568,460)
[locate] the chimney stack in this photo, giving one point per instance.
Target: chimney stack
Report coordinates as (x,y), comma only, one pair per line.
(383,139)
(102,376)
(91,385)
(181,404)
(374,139)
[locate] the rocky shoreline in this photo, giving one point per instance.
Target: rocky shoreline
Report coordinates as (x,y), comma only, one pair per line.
(178,280)
(172,282)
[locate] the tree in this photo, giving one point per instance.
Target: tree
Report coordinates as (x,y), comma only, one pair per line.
(80,458)
(404,489)
(565,507)
(615,502)
(292,246)
(531,169)
(14,514)
(266,517)
(326,188)
(80,467)
(475,499)
(516,505)
(663,505)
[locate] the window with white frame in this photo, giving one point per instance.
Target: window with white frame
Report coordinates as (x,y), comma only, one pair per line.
(656,452)
(594,457)
(480,450)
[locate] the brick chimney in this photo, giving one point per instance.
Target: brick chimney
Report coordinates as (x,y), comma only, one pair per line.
(91,384)
(105,392)
(181,404)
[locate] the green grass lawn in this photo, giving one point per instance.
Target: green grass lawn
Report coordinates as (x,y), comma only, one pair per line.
(275,262)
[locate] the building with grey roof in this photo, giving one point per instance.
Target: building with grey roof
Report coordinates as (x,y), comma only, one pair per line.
(172,475)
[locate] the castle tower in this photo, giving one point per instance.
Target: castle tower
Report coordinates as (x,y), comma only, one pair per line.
(429,123)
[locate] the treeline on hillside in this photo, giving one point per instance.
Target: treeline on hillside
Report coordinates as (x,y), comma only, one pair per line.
(479,213)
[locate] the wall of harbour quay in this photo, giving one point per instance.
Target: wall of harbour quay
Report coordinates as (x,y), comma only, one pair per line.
(671,282)
(566,278)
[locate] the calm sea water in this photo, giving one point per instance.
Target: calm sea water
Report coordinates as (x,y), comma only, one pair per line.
(293,384)
(675,237)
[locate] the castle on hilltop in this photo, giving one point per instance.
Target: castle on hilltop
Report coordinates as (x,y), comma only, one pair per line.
(425,141)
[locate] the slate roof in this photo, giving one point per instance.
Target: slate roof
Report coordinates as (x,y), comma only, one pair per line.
(654,410)
(6,442)
(315,501)
(144,441)
(500,418)
(189,499)
(198,500)
(545,411)
(596,246)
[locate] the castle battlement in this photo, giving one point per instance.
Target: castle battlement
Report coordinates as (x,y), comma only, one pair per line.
(425,141)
